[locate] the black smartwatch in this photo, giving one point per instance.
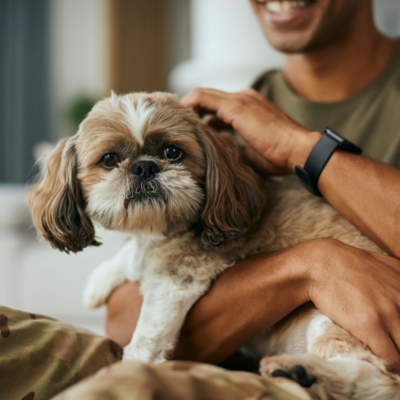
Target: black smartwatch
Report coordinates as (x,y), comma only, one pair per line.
(319,156)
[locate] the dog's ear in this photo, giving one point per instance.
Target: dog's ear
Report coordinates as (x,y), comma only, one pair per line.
(235,194)
(57,205)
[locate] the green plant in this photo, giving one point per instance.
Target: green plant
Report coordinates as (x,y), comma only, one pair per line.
(78,108)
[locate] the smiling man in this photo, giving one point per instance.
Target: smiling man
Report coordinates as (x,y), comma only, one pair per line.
(341,72)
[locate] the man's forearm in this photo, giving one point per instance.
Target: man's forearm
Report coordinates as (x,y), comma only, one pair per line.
(244,301)
(367,193)
(357,289)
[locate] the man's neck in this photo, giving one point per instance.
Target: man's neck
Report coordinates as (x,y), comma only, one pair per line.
(343,67)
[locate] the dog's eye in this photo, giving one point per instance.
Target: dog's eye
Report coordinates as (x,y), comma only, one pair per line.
(173,153)
(110,160)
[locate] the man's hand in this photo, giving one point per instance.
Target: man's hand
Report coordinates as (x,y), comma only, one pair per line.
(277,143)
(359,290)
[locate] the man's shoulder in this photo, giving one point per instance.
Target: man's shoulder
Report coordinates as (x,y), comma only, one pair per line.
(265,79)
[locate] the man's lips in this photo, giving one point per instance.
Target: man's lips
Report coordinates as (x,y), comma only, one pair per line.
(287,12)
(285,7)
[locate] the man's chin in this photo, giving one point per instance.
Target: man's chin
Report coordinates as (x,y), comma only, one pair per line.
(300,41)
(290,43)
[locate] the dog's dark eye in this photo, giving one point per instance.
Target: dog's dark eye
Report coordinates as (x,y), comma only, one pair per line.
(173,153)
(110,160)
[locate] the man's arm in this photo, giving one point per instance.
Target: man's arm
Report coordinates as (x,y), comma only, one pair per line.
(367,193)
(359,290)
(218,323)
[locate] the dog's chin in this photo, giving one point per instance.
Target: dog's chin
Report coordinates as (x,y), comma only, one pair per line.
(143,198)
(156,207)
(148,213)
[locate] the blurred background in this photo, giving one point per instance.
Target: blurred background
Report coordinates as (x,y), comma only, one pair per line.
(58,57)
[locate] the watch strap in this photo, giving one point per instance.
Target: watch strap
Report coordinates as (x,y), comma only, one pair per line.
(319,156)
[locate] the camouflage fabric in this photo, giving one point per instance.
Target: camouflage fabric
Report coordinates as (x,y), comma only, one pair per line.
(186,381)
(40,356)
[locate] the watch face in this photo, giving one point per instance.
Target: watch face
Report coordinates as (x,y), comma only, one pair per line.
(344,144)
(334,135)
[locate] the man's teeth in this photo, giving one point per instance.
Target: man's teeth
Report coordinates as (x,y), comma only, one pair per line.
(283,7)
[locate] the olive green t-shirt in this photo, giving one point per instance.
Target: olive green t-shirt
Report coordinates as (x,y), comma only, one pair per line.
(369,118)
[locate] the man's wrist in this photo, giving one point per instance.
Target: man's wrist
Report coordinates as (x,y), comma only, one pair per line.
(303,143)
(306,260)
(297,269)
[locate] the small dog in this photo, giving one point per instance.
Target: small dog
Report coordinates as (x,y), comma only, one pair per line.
(144,164)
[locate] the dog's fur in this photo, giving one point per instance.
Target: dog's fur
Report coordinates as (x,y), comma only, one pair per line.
(191,222)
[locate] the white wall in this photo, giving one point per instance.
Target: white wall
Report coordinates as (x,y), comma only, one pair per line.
(79,54)
(228,48)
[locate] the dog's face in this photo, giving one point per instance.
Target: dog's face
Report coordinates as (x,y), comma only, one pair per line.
(140,165)
(144,163)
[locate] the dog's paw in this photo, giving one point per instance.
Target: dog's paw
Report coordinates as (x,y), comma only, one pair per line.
(91,297)
(99,286)
(289,367)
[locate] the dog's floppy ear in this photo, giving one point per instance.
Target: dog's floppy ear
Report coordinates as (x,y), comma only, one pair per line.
(57,205)
(235,194)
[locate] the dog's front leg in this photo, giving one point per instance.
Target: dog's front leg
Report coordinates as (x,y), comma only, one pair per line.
(109,275)
(164,308)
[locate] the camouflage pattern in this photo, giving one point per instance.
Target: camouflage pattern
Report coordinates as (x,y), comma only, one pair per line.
(187,381)
(40,356)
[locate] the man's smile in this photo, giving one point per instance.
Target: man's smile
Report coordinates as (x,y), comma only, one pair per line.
(286,12)
(285,7)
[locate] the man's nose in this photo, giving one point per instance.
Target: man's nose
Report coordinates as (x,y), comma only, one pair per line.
(145,169)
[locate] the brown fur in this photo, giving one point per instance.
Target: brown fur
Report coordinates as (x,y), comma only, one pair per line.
(235,195)
(57,205)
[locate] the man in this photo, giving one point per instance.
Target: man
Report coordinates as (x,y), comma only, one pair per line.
(342,73)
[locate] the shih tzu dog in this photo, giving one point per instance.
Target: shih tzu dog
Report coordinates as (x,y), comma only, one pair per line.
(146,165)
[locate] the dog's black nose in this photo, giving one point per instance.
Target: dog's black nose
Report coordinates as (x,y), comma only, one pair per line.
(145,169)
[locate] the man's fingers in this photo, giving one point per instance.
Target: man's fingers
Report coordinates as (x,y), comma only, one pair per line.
(383,347)
(194,98)
(209,101)
(395,333)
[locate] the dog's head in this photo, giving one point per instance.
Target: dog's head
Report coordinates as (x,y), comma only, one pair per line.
(144,163)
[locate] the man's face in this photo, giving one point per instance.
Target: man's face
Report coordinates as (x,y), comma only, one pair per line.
(296,26)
